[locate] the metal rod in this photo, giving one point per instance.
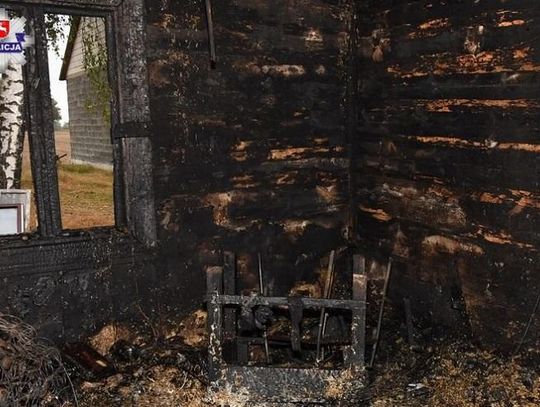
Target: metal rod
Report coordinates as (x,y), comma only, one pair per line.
(211,38)
(525,333)
(325,323)
(381,311)
(261,281)
(266,346)
(326,294)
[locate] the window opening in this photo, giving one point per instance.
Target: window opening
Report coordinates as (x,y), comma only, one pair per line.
(81,102)
(130,180)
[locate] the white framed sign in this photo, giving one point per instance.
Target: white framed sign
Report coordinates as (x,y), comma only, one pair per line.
(14,211)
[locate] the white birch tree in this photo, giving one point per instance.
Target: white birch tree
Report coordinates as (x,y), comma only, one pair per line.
(11,126)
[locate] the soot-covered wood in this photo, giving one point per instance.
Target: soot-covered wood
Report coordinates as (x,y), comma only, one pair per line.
(264,154)
(71,286)
(446,156)
(251,156)
(70,283)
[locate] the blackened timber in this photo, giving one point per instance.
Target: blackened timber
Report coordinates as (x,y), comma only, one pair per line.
(310,303)
(214,287)
(214,280)
(70,283)
(296,311)
(407,13)
(133,90)
(352,114)
(269,121)
(132,130)
(120,216)
(231,347)
(355,354)
(41,129)
(286,385)
(229,288)
(88,251)
(86,5)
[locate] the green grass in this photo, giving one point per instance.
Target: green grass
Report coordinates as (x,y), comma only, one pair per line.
(86,195)
(77,168)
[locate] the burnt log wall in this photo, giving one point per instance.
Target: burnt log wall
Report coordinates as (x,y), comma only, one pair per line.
(446,157)
(71,286)
(427,133)
(251,156)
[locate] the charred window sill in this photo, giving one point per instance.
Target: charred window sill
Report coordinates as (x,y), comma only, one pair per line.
(70,252)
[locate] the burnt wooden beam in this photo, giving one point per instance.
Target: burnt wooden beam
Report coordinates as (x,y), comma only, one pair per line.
(89,250)
(214,287)
(296,312)
(290,385)
(310,303)
(120,217)
(58,5)
(232,348)
(354,355)
(41,128)
(133,98)
(229,288)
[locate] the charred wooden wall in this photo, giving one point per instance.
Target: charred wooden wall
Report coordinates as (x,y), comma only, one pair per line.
(72,286)
(427,133)
(447,153)
(251,156)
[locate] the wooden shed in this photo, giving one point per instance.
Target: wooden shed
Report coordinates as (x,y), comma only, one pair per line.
(90,129)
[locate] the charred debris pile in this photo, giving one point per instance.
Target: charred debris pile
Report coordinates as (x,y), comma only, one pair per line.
(250,348)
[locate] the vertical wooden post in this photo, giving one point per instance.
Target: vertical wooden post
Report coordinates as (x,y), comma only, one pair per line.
(354,355)
(230,344)
(229,288)
(41,128)
(214,287)
(132,91)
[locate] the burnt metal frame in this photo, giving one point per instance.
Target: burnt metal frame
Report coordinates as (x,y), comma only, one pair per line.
(132,150)
(273,384)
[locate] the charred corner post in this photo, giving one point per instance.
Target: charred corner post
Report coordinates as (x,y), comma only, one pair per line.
(306,373)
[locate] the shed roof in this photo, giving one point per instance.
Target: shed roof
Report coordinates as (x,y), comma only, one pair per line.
(69,47)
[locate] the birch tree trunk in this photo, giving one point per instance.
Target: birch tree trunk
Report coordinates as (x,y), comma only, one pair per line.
(11,127)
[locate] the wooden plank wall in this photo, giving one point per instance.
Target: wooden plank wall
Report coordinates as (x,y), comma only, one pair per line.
(447,153)
(70,287)
(251,156)
(262,155)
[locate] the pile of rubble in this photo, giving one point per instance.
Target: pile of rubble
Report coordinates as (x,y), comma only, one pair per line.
(455,374)
(170,372)
(119,367)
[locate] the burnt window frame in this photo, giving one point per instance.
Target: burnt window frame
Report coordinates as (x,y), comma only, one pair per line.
(130,115)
